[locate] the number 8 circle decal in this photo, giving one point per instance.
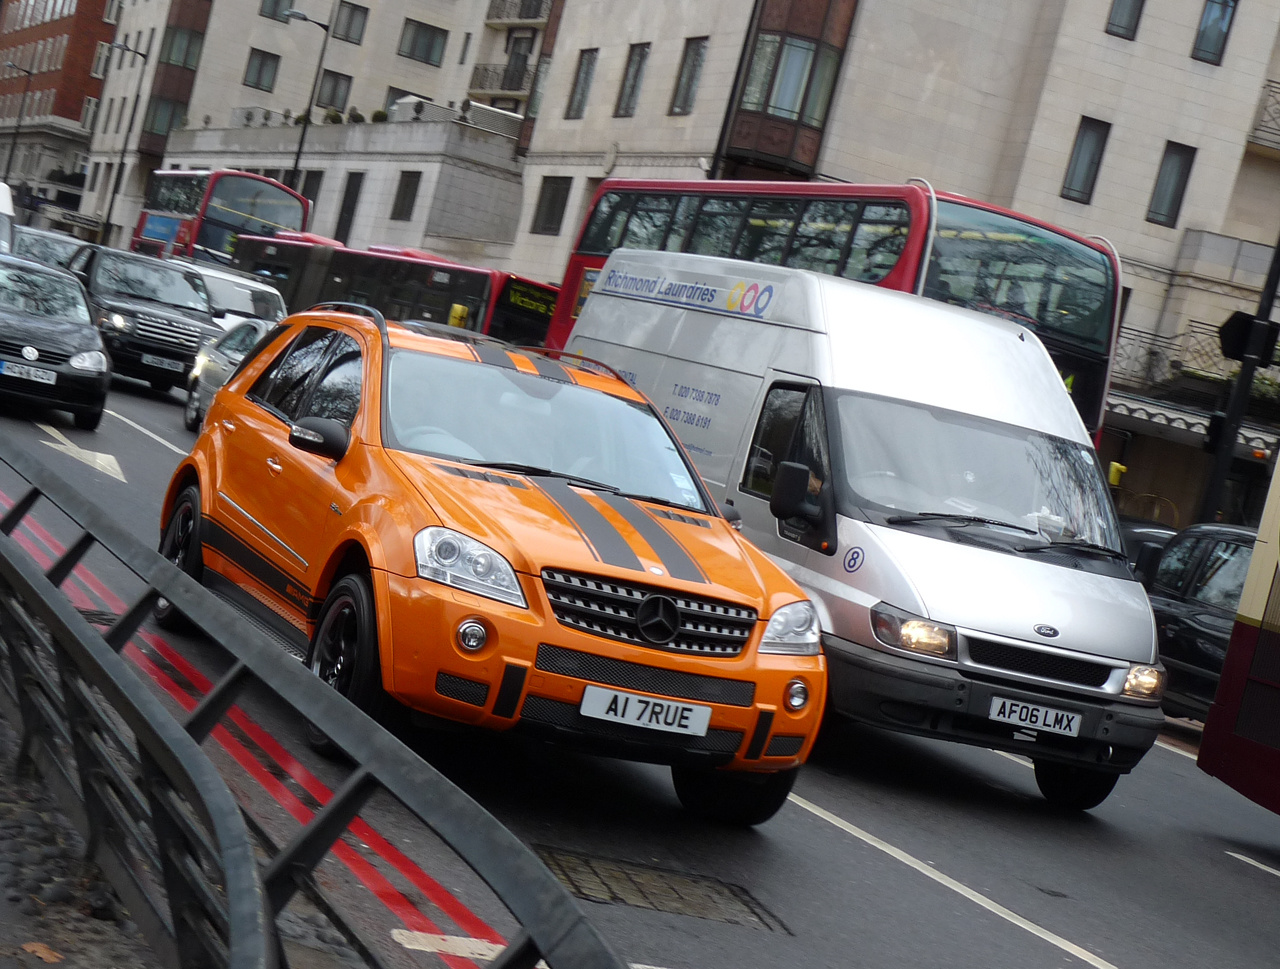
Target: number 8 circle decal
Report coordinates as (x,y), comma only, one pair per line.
(853,559)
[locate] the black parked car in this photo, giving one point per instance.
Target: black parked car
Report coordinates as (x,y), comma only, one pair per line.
(50,351)
(153,315)
(1194,594)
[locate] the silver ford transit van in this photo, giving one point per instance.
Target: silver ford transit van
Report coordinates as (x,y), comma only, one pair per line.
(920,470)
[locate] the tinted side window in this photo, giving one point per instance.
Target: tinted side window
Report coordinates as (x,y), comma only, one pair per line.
(769,226)
(283,385)
(878,242)
(717,226)
(650,218)
(1177,558)
(1222,579)
(822,235)
(607,221)
(772,440)
(337,395)
(239,340)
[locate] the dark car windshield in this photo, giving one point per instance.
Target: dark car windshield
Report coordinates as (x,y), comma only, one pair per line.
(42,294)
(490,415)
(40,247)
(136,279)
(903,459)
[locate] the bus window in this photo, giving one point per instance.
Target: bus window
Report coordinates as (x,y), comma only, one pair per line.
(717,227)
(769,226)
(679,231)
(822,235)
(650,217)
(878,242)
(606,225)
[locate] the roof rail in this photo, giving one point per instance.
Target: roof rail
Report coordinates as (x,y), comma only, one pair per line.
(356,309)
(448,332)
(586,363)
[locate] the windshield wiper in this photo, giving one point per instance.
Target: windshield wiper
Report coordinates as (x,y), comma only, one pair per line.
(533,471)
(655,500)
(926,516)
(1073,543)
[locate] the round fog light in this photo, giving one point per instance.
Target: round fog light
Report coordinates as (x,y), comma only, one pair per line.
(472,635)
(797,695)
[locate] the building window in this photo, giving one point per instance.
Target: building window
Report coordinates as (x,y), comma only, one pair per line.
(632,78)
(1124,18)
(582,82)
(181,47)
(686,92)
(791,78)
(552,199)
(100,58)
(89,113)
(111,14)
(406,196)
(335,88)
(163,116)
(93,177)
(466,46)
(1215,24)
(1171,184)
(349,24)
(1086,156)
(275,9)
(311,185)
(260,72)
(422,42)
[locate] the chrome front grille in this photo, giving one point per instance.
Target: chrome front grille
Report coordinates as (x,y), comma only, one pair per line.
(167,333)
(607,608)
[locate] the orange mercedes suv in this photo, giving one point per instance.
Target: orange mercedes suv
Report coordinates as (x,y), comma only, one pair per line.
(503,537)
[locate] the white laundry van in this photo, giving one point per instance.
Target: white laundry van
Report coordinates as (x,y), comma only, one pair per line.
(921,471)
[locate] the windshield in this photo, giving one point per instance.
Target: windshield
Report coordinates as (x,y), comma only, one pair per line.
(902,458)
(38,294)
(433,403)
(226,294)
(50,250)
(997,264)
(135,279)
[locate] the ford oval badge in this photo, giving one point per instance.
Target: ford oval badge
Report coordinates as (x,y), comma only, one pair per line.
(1046,631)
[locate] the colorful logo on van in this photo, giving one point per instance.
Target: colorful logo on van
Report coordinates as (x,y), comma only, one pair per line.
(749,299)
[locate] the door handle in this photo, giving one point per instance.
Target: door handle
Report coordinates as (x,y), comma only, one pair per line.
(229,425)
(275,466)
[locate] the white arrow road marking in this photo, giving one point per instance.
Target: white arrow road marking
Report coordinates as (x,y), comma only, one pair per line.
(1084,955)
(460,945)
(1256,864)
(106,463)
(155,437)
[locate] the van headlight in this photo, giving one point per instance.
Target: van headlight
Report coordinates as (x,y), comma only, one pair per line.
(94,361)
(895,627)
(793,630)
(453,559)
(1145,682)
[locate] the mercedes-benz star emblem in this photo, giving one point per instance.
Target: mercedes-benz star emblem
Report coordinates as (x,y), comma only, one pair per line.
(1048,632)
(658,619)
(30,353)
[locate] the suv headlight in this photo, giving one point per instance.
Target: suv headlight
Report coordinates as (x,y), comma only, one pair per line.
(1144,681)
(793,630)
(115,320)
(94,361)
(453,559)
(896,627)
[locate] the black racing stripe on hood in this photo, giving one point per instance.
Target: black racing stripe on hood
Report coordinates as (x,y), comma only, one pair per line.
(672,555)
(494,356)
(550,369)
(603,536)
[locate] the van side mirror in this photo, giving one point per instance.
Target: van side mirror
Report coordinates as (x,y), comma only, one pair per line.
(1148,560)
(731,515)
(791,497)
(320,435)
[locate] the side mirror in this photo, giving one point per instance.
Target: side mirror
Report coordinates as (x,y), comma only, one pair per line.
(81,275)
(791,497)
(731,515)
(1148,560)
(320,435)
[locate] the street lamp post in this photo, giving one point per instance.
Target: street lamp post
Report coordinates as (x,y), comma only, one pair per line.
(22,107)
(137,96)
(295,175)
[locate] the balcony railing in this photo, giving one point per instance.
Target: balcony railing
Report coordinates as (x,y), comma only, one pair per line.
(518,11)
(513,79)
(1266,130)
(1145,362)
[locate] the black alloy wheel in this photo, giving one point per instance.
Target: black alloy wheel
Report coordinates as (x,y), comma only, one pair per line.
(180,544)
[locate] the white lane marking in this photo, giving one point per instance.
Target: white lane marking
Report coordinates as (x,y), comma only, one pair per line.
(460,945)
(106,463)
(1016,758)
(155,437)
(1256,864)
(1176,750)
(1084,955)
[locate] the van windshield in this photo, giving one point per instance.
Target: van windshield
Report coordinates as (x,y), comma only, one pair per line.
(489,415)
(903,458)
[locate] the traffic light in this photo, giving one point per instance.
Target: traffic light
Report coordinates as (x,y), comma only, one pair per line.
(1233,337)
(1217,420)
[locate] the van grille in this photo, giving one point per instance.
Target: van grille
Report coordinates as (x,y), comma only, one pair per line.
(607,607)
(1050,666)
(648,679)
(167,333)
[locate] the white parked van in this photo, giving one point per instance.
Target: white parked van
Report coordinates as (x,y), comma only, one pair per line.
(920,470)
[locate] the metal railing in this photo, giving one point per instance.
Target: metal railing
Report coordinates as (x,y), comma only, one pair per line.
(510,78)
(522,11)
(155,813)
(1144,361)
(1266,130)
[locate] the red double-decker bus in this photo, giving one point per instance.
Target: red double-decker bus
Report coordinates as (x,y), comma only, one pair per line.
(203,213)
(907,237)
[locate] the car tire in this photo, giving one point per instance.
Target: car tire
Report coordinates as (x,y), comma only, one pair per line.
(344,654)
(191,416)
(180,544)
(88,420)
(1072,788)
(732,797)
(161,386)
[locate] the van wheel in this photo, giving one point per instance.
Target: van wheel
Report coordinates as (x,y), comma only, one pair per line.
(732,797)
(180,544)
(344,654)
(1073,788)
